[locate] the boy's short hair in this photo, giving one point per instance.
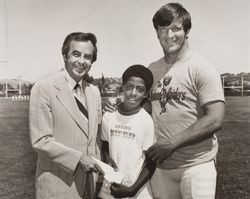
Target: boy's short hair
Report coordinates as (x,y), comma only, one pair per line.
(141,71)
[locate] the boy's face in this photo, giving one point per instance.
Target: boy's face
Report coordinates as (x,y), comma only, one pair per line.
(134,93)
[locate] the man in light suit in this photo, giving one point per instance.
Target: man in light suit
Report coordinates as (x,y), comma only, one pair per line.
(63,136)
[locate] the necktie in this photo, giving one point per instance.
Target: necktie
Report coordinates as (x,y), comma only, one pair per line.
(89,187)
(89,191)
(79,104)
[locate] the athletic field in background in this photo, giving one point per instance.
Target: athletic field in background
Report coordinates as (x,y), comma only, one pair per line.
(17,159)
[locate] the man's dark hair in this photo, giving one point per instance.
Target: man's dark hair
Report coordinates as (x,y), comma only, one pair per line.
(79,36)
(138,71)
(169,12)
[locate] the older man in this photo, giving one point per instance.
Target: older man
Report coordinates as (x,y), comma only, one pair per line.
(65,113)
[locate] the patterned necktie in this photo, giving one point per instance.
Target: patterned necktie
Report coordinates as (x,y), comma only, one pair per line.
(89,186)
(79,104)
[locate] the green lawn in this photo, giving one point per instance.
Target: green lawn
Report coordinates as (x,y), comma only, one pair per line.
(17,158)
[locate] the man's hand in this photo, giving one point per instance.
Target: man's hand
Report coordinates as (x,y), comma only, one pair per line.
(88,165)
(121,191)
(161,150)
(111,104)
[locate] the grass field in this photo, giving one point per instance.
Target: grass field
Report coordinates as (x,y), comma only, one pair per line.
(17,159)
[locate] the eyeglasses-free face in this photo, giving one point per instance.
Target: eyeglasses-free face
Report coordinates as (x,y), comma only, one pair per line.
(134,93)
(79,59)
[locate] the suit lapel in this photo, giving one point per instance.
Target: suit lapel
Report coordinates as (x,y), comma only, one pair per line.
(91,106)
(65,96)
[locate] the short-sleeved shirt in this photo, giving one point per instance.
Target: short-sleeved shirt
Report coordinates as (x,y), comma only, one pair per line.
(128,136)
(177,97)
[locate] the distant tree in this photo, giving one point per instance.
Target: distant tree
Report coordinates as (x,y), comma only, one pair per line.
(103,79)
(120,89)
(26,88)
(89,78)
(101,83)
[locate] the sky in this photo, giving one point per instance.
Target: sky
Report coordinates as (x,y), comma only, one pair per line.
(220,32)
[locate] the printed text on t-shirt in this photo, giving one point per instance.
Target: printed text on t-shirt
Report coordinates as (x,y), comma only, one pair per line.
(122,131)
(163,93)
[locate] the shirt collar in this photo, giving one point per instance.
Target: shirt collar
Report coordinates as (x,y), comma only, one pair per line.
(71,82)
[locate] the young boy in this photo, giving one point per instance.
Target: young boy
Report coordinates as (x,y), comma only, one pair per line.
(128,132)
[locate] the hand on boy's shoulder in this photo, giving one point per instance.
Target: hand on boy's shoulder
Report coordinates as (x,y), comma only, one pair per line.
(111,104)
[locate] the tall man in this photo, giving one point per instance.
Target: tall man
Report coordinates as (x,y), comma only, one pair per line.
(65,113)
(187,108)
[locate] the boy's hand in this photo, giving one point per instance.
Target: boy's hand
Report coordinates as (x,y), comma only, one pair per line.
(112,163)
(121,191)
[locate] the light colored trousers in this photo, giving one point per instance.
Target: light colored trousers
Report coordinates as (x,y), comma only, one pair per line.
(196,182)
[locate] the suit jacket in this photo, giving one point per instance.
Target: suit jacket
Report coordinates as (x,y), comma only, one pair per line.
(60,135)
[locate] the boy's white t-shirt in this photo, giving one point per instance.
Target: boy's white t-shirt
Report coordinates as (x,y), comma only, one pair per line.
(128,136)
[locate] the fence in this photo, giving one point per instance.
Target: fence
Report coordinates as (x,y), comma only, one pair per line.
(20,98)
(236,88)
(9,91)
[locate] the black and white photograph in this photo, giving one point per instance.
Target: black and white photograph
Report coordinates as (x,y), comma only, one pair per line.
(140,99)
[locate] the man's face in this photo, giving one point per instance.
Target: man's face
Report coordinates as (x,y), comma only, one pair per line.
(134,93)
(78,61)
(171,37)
